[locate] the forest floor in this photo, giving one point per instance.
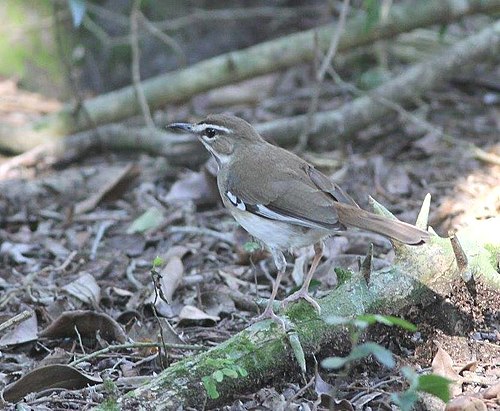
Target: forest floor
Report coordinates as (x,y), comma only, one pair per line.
(74,254)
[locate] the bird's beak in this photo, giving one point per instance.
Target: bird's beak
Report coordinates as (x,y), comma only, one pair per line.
(181,127)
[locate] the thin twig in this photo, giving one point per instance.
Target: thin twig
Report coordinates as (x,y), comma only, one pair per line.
(71,79)
(130,275)
(482,155)
(79,339)
(159,293)
(320,76)
(136,75)
(117,347)
(300,392)
(164,38)
(17,319)
(100,233)
(67,262)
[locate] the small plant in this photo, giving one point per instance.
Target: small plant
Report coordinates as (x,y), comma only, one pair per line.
(431,383)
(251,247)
(359,351)
(226,367)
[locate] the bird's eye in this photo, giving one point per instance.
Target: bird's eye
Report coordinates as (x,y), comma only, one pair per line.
(210,132)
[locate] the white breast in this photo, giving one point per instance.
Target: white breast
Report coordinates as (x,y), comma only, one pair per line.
(276,234)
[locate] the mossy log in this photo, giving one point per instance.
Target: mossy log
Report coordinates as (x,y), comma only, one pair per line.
(235,66)
(264,351)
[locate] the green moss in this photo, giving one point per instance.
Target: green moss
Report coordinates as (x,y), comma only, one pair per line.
(343,275)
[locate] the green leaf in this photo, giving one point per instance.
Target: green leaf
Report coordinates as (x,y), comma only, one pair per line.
(152,218)
(435,385)
(158,262)
(334,362)
(241,371)
(230,372)
(405,400)
(383,355)
(251,246)
(298,351)
(218,375)
(342,275)
(389,320)
(210,387)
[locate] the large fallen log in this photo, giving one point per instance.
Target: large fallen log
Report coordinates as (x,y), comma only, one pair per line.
(334,124)
(235,66)
(263,351)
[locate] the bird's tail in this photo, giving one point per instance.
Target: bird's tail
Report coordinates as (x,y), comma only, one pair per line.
(394,229)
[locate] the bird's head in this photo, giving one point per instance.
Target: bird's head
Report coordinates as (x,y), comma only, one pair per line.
(221,134)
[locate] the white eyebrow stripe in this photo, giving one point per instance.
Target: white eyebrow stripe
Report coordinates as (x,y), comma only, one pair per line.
(198,128)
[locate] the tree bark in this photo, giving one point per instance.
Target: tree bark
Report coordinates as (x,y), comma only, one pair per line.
(236,66)
(419,273)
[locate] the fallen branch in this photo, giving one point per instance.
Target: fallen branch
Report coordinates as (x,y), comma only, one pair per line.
(263,350)
(405,88)
(347,120)
(235,66)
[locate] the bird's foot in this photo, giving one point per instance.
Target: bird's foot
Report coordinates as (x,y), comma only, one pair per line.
(302,293)
(268,313)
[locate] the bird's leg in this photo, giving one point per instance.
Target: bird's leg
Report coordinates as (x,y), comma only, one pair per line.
(280,262)
(303,292)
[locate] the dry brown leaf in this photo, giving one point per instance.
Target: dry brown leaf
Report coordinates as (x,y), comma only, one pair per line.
(193,186)
(88,324)
(216,300)
(471,366)
(46,378)
(84,288)
(492,392)
(442,365)
(116,181)
(176,251)
(465,403)
(171,277)
(190,313)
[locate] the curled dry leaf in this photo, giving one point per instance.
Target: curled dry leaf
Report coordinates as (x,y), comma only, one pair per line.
(84,288)
(49,377)
(190,313)
(88,324)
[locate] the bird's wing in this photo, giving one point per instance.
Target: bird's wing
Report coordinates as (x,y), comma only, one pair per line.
(295,192)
